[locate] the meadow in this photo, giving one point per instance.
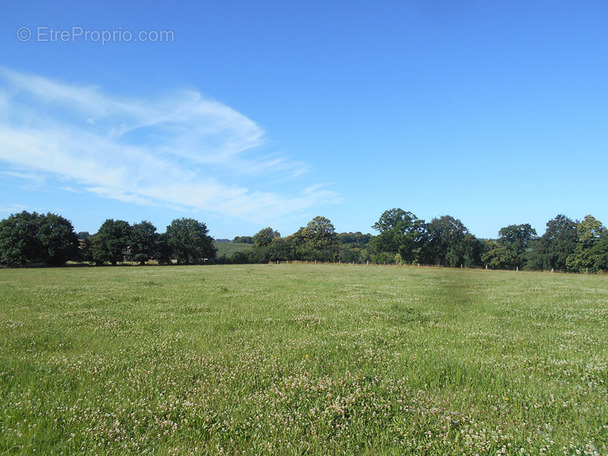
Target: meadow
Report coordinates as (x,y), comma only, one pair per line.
(302,359)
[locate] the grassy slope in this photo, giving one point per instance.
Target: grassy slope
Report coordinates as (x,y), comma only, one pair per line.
(314,359)
(230,248)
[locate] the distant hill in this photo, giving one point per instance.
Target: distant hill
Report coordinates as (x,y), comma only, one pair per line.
(228,248)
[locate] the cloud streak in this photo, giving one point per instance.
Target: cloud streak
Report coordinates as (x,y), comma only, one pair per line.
(181,150)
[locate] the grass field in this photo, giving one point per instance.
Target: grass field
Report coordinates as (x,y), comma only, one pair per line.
(302,359)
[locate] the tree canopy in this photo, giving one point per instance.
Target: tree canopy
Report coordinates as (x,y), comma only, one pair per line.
(591,235)
(319,240)
(37,238)
(556,245)
(400,233)
(264,237)
(144,242)
(447,242)
(189,241)
(111,242)
(509,251)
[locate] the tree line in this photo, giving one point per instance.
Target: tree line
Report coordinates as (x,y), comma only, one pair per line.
(402,238)
(49,239)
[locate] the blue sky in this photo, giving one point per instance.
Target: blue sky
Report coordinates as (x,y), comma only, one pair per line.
(247,114)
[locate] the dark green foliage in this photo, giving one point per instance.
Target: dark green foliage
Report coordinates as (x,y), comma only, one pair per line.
(354,247)
(239,258)
(297,243)
(259,254)
(110,244)
(556,245)
(509,252)
(499,256)
(400,233)
(449,243)
(82,235)
(349,253)
(243,239)
(472,250)
(18,239)
(315,242)
(280,250)
(37,238)
(516,236)
(319,239)
(265,237)
(84,249)
(357,239)
(599,253)
(58,240)
(189,242)
(264,248)
(163,251)
(590,232)
(144,242)
(383,258)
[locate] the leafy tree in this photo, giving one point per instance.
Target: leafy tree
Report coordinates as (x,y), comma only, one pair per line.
(296,242)
(57,239)
(556,245)
(400,233)
(353,247)
(144,242)
(263,241)
(264,237)
(163,251)
(189,242)
(243,240)
(85,249)
(280,250)
(18,242)
(239,258)
(471,251)
(357,239)
(259,254)
(589,233)
(386,258)
(501,257)
(320,240)
(351,253)
(449,243)
(599,253)
(517,236)
(37,238)
(111,242)
(18,239)
(509,252)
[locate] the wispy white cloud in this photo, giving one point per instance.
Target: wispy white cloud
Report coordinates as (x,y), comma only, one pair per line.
(182,150)
(12,209)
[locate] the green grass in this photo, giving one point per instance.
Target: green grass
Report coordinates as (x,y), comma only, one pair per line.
(302,359)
